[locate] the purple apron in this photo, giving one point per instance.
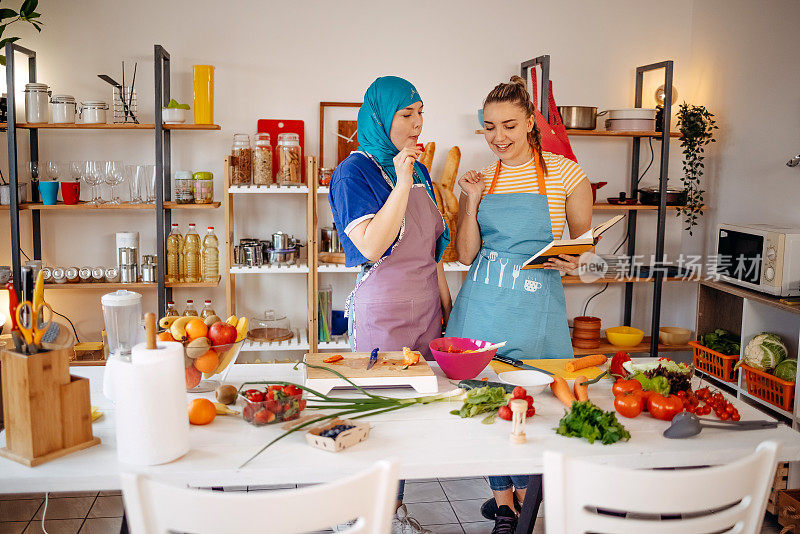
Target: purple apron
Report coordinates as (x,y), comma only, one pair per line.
(396,301)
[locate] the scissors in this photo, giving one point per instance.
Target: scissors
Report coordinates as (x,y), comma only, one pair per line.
(32,324)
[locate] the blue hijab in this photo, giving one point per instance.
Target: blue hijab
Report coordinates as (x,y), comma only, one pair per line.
(385,97)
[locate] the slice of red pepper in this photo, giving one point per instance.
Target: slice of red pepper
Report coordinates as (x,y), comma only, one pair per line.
(334,358)
(615,368)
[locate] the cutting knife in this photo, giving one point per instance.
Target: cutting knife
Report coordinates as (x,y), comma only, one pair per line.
(519,364)
(373,358)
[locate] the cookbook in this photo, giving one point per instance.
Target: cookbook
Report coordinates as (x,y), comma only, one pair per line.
(574,247)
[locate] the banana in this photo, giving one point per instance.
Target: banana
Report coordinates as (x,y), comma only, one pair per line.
(232,320)
(224,360)
(178,328)
(224,410)
(242,326)
(165,322)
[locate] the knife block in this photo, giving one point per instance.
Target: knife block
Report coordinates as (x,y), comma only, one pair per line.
(45,409)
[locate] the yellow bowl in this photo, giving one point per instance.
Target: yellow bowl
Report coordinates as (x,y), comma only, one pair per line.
(624,336)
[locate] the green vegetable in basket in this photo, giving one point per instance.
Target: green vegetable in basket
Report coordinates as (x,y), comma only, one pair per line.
(786,370)
(721,341)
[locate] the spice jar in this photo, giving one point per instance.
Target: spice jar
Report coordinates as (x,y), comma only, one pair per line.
(98,274)
(325,174)
(203,187)
(58,275)
(262,160)
(64,109)
(241,160)
(47,274)
(37,97)
(71,274)
(184,187)
(288,159)
(112,275)
(85,275)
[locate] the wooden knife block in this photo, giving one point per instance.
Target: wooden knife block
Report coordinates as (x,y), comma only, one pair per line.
(45,409)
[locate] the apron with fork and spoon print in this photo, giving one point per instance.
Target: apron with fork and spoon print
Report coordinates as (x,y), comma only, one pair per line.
(498,300)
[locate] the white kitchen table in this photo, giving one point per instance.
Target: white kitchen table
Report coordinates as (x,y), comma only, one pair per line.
(427,440)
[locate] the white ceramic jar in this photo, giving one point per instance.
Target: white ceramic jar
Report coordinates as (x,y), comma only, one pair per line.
(37,97)
(93,112)
(64,109)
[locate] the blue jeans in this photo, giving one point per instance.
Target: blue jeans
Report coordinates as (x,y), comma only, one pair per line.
(501,483)
(401,489)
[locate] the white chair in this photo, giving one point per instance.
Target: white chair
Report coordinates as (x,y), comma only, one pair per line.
(729,498)
(154,507)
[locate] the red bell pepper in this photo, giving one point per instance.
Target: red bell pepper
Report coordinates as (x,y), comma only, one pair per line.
(615,368)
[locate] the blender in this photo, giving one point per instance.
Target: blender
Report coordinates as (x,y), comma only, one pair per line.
(122,312)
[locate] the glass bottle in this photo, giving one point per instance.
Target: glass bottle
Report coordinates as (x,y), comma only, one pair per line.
(191,247)
(210,256)
(190,310)
(171,311)
(241,160)
(174,246)
(207,310)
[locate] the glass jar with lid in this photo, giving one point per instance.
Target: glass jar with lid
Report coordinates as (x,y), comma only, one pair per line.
(325,174)
(37,98)
(288,159)
(184,187)
(64,109)
(203,187)
(262,160)
(272,327)
(241,160)
(93,112)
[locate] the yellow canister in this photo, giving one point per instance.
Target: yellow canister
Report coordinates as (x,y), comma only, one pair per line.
(203,83)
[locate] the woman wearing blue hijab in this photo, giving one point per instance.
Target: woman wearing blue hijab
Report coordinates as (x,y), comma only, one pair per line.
(388,223)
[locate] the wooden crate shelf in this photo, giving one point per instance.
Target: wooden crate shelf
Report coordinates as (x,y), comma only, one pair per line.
(123,126)
(643,347)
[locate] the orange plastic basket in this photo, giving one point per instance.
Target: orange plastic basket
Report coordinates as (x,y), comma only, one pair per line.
(714,363)
(769,388)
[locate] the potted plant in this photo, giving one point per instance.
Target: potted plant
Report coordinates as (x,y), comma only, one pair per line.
(27,13)
(696,125)
(174,113)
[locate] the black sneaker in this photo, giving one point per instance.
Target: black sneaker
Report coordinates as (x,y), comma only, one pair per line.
(489,508)
(505,521)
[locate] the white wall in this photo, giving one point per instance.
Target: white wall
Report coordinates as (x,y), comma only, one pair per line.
(280,59)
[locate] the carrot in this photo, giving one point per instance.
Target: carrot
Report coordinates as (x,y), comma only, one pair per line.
(586,361)
(581,391)
(560,389)
(334,358)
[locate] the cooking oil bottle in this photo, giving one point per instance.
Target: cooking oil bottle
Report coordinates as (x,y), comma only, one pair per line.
(190,310)
(174,247)
(191,247)
(210,256)
(207,310)
(171,311)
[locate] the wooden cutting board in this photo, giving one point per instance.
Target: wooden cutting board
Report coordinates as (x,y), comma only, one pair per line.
(554,365)
(387,372)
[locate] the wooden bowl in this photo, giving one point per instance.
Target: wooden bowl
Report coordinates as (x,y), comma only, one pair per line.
(674,335)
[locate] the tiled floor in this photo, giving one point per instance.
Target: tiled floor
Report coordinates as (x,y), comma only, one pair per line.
(446,506)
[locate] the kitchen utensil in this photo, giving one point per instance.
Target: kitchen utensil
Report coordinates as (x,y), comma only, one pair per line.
(673,335)
(493,346)
(284,257)
(630,113)
(650,196)
(330,240)
(49,192)
(624,336)
(686,425)
(519,364)
(282,241)
(475,272)
(33,324)
(5,194)
(515,274)
(70,192)
(118,86)
(595,187)
(122,312)
(533,381)
(273,327)
(631,125)
(457,364)
(623,199)
(578,117)
(373,359)
(503,263)
(492,257)
(388,372)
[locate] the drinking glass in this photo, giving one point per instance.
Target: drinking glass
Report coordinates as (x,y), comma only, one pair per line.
(52,171)
(135,175)
(150,183)
(33,170)
(77,170)
(93,177)
(114,175)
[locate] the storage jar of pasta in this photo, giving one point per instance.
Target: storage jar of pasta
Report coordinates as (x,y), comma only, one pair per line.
(262,160)
(288,159)
(241,160)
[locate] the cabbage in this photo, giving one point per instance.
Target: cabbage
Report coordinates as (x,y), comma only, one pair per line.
(786,370)
(765,351)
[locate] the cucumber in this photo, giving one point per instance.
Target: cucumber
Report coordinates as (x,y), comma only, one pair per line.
(475,384)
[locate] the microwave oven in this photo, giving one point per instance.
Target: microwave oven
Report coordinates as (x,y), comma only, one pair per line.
(762,257)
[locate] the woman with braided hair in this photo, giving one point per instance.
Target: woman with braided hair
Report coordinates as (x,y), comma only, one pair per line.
(507,213)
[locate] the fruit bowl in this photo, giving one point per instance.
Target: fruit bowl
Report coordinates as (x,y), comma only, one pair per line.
(278,404)
(624,336)
(457,364)
(197,380)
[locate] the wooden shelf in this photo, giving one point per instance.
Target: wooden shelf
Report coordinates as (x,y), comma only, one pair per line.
(124,206)
(50,126)
(605,206)
(176,206)
(604,133)
(749,294)
(191,126)
(111,286)
(569,279)
(607,348)
(285,189)
(179,285)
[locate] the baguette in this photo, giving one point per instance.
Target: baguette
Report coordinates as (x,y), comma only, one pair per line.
(438,195)
(427,157)
(450,172)
(449,200)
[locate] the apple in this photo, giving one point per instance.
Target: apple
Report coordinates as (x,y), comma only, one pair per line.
(193,377)
(221,334)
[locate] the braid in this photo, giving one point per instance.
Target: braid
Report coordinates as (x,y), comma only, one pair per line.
(516,92)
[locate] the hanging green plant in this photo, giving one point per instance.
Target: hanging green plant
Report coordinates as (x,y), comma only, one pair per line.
(27,13)
(697,126)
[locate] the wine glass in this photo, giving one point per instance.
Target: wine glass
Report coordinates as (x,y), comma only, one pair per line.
(150,183)
(52,170)
(135,176)
(113,177)
(93,176)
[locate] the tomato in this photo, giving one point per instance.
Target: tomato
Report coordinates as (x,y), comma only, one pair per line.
(273,387)
(724,416)
(681,394)
(504,412)
(625,386)
(729,408)
(292,390)
(629,404)
(664,408)
(735,416)
(529,400)
(519,393)
(530,412)
(646,398)
(691,409)
(302,404)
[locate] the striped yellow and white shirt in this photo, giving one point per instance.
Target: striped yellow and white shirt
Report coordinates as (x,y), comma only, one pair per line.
(563,175)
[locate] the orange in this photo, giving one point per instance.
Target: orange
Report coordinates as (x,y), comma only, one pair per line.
(196,328)
(193,377)
(165,336)
(201,411)
(207,362)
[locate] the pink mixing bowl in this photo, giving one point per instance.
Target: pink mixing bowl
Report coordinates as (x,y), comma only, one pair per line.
(461,365)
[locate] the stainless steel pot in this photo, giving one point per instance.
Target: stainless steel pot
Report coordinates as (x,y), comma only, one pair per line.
(578,117)
(253,255)
(285,256)
(651,196)
(330,240)
(282,241)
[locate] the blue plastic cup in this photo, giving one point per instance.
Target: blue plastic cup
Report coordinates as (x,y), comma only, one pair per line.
(49,192)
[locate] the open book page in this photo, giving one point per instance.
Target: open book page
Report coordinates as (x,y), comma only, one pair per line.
(574,247)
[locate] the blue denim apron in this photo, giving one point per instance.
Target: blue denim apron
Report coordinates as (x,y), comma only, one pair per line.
(498,300)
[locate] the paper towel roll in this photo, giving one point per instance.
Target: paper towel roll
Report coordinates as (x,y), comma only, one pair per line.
(151,408)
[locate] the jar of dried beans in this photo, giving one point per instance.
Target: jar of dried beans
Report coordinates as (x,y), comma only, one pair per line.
(262,160)
(288,159)
(241,160)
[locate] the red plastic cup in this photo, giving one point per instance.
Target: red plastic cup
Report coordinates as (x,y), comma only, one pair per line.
(71,192)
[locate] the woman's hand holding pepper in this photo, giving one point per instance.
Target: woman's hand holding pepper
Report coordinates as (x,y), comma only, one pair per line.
(404,165)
